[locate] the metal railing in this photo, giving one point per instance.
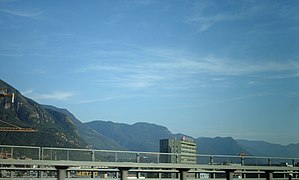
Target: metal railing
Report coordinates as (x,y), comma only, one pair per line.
(20,152)
(70,154)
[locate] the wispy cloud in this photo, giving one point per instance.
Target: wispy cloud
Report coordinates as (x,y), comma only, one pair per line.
(123,96)
(8,1)
(27,92)
(170,68)
(225,12)
(58,95)
(11,55)
(189,65)
(22,13)
(201,18)
(100,68)
(34,71)
(55,96)
(136,81)
(95,100)
(205,23)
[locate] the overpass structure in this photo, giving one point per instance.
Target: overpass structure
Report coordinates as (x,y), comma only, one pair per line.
(64,161)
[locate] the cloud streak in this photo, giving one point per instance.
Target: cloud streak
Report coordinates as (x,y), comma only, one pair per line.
(58,95)
(164,67)
(227,13)
(22,13)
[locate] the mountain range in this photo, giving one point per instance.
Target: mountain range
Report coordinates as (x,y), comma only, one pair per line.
(56,127)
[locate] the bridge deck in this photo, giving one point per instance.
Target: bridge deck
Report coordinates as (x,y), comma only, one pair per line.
(131,165)
(14,158)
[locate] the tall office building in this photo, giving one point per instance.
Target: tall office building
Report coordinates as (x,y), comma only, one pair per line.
(185,148)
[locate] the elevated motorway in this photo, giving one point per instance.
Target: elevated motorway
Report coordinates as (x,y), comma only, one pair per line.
(62,160)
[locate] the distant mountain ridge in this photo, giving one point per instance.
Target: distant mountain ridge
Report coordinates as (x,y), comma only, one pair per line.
(138,137)
(270,149)
(58,127)
(143,136)
(220,146)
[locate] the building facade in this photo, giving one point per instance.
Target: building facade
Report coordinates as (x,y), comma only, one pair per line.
(182,150)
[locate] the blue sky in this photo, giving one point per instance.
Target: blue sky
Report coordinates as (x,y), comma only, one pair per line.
(203,68)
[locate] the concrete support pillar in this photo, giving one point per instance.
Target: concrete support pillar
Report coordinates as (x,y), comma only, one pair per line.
(229,174)
(124,172)
(183,173)
(12,174)
(290,176)
(61,171)
(269,175)
(40,174)
(138,175)
(243,175)
(196,175)
(213,175)
(93,174)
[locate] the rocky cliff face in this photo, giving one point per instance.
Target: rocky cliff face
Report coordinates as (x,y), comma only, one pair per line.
(95,139)
(52,128)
